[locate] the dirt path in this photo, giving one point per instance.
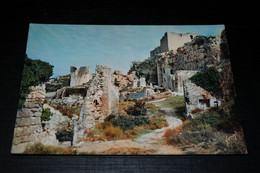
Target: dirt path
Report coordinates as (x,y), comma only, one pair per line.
(151,141)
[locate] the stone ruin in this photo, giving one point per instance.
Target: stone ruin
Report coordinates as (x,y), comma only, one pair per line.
(170,66)
(28,127)
(101,101)
(79,76)
(197,99)
(172,41)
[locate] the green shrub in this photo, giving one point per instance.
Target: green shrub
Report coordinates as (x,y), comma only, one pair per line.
(208,79)
(126,123)
(137,109)
(34,72)
(46,114)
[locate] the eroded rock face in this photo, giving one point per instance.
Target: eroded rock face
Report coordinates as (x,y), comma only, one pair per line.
(196,98)
(101,100)
(79,76)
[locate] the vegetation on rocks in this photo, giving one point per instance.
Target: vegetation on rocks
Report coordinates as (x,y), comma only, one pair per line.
(209,133)
(46,114)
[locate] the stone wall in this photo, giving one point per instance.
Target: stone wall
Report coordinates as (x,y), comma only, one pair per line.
(146,69)
(28,127)
(79,76)
(199,54)
(196,98)
(145,93)
(191,53)
(102,99)
(179,77)
(172,41)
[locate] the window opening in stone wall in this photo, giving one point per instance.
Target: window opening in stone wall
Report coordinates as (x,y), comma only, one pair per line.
(205,101)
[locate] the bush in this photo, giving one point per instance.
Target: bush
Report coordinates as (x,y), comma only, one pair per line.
(126,123)
(208,79)
(46,114)
(137,109)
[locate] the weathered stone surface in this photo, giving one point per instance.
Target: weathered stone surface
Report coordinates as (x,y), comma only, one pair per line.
(188,54)
(172,41)
(196,98)
(79,76)
(28,128)
(102,99)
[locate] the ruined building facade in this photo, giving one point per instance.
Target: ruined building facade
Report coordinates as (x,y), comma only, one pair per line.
(178,57)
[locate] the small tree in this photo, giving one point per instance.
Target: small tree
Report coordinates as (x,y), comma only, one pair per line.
(34,72)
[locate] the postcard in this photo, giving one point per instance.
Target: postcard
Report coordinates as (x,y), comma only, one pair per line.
(127,90)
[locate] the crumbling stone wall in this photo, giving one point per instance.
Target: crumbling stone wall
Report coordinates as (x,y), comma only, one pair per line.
(121,81)
(146,69)
(79,76)
(179,77)
(102,99)
(196,98)
(28,127)
(194,53)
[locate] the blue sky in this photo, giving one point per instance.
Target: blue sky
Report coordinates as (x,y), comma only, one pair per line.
(115,46)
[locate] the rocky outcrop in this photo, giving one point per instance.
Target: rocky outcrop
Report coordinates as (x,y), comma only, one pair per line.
(79,76)
(101,100)
(197,98)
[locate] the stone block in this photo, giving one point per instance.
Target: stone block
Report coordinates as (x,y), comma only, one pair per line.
(31,105)
(18,131)
(17,140)
(25,121)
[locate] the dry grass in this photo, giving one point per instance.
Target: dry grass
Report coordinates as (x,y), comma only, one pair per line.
(69,111)
(39,148)
(106,131)
(208,134)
